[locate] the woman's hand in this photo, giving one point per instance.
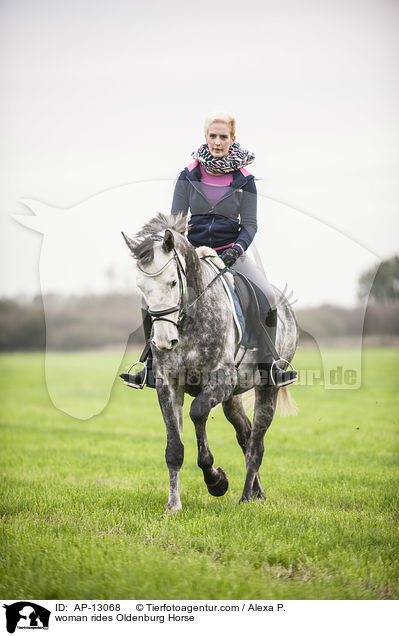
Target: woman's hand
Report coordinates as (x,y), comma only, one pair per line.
(230,256)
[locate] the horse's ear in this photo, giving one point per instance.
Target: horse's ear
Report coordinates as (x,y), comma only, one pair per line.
(168,241)
(128,242)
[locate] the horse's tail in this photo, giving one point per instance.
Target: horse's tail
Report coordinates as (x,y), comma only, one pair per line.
(286,404)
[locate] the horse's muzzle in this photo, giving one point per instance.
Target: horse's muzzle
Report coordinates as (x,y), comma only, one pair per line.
(166,346)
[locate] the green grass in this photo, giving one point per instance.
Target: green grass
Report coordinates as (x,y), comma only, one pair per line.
(82,500)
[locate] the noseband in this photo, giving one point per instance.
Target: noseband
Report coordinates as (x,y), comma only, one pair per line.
(159,314)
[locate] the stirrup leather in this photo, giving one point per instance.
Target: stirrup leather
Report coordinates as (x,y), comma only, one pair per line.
(271,371)
(133,385)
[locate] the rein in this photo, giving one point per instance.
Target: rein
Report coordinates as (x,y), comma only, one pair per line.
(221,272)
(158,314)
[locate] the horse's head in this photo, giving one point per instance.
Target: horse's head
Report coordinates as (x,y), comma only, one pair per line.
(161,278)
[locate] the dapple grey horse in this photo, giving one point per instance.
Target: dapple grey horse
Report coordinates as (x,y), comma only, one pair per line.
(193,341)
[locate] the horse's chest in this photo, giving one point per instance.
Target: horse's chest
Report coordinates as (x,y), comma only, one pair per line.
(202,352)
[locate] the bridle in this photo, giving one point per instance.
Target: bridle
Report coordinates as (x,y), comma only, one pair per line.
(159,314)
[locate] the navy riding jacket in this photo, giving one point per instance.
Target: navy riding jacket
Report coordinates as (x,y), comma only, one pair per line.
(231,220)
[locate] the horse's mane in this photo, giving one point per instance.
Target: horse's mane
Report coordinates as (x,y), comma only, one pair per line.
(142,243)
(177,222)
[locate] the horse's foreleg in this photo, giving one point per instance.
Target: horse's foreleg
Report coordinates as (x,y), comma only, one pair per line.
(171,403)
(265,406)
(234,411)
(215,391)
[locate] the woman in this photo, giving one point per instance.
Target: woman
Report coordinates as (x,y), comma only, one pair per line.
(222,199)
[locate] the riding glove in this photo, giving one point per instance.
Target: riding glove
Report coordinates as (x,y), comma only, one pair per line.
(230,256)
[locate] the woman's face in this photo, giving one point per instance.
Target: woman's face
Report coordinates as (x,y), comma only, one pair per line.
(219,139)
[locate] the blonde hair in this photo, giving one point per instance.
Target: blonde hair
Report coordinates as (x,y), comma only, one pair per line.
(226,118)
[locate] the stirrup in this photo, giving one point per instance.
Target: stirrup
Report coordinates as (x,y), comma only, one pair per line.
(288,381)
(132,384)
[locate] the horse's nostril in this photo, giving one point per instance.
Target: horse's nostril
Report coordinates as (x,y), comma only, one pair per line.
(174,342)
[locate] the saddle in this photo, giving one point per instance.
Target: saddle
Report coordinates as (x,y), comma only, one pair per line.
(245,300)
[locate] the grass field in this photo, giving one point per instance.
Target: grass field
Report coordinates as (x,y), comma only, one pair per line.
(82,501)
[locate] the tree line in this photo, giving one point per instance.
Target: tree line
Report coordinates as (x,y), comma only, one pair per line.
(73,322)
(97,321)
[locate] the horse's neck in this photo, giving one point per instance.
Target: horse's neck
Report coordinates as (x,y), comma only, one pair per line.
(197,276)
(204,277)
(210,297)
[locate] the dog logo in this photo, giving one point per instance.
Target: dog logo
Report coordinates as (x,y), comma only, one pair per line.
(26,615)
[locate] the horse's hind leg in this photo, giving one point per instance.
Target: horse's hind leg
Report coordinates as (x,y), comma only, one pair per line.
(265,406)
(217,390)
(234,411)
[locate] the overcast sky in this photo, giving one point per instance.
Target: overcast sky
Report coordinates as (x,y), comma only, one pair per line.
(97,95)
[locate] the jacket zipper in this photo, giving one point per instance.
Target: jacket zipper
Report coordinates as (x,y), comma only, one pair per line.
(209,231)
(226,196)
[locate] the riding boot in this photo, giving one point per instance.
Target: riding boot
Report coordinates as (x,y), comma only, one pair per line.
(145,376)
(270,372)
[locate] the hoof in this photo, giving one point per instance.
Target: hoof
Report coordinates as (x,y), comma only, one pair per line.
(172,509)
(260,497)
(219,487)
(257,497)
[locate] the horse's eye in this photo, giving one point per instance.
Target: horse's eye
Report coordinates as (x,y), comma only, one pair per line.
(173,283)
